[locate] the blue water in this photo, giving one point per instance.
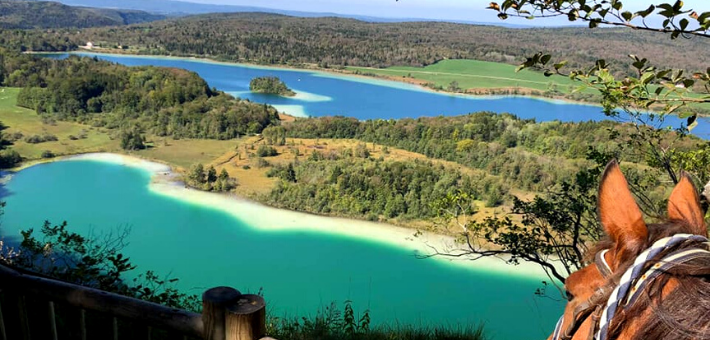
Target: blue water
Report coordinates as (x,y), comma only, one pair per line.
(298,272)
(371,99)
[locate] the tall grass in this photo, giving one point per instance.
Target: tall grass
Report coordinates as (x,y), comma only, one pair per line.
(330,323)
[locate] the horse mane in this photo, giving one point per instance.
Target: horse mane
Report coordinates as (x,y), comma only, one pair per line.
(682,313)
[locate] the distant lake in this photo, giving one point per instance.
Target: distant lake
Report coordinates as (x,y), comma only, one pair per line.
(327,94)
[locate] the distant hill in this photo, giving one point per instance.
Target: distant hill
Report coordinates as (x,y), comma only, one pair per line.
(184,8)
(278,39)
(43,14)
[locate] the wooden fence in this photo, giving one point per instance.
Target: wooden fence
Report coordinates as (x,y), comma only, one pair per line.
(227,314)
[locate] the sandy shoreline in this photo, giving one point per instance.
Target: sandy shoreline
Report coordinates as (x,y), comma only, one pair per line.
(382,81)
(268,219)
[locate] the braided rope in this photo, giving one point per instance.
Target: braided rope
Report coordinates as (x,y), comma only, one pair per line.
(616,299)
(659,268)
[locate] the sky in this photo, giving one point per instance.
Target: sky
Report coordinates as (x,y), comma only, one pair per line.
(469,10)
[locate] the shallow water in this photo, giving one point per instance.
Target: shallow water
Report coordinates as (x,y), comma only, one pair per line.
(326,94)
(297,271)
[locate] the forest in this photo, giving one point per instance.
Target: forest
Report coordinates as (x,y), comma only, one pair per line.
(354,185)
(525,154)
(161,101)
(335,42)
(46,14)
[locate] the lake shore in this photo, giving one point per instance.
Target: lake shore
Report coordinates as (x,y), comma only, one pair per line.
(380,80)
(167,183)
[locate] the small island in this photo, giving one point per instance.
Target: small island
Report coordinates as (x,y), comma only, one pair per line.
(270,85)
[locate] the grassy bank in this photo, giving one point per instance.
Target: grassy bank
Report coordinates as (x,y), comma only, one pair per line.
(474,74)
(72,138)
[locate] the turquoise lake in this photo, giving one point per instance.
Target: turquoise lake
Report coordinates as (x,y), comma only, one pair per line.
(297,271)
(325,94)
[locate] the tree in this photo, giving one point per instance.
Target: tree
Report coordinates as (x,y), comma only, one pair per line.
(211,174)
(223,175)
(132,139)
(556,228)
(553,233)
(290,173)
(197,174)
(454,87)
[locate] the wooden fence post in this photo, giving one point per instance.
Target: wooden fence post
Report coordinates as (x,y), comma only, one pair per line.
(214,309)
(246,319)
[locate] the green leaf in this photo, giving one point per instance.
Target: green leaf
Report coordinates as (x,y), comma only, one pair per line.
(646,78)
(627,15)
(684,23)
(560,65)
(545,59)
(692,125)
(678,5)
(648,11)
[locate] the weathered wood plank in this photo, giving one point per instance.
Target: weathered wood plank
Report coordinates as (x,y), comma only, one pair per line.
(52,320)
(114,328)
(82,324)
(24,320)
(96,300)
(3,333)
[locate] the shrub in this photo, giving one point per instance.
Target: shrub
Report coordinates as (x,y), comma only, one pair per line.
(266,151)
(9,158)
(36,139)
(262,163)
(48,154)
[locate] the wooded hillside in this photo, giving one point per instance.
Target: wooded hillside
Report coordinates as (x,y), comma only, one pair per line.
(277,39)
(45,14)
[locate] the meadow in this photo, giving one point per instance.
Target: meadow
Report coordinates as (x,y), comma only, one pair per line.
(474,74)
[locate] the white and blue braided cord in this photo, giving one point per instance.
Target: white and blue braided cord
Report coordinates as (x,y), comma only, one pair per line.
(620,293)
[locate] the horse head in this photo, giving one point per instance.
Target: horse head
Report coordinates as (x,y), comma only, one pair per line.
(647,281)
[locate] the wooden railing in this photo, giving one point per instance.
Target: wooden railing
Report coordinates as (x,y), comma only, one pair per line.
(227,314)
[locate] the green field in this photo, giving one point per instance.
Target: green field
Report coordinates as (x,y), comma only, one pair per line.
(28,123)
(475,74)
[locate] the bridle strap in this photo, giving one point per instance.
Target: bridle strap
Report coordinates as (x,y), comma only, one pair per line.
(624,294)
(621,292)
(602,265)
(586,308)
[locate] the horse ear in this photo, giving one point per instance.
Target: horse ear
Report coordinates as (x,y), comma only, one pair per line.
(620,215)
(684,206)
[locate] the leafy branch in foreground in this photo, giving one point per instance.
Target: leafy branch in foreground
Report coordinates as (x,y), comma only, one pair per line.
(553,230)
(556,228)
(645,99)
(93,261)
(677,19)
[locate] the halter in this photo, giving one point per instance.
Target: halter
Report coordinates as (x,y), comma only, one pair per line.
(631,285)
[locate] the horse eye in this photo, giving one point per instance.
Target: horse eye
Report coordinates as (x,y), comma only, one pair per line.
(570,297)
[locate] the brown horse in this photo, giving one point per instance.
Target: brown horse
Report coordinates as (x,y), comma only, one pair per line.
(610,299)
